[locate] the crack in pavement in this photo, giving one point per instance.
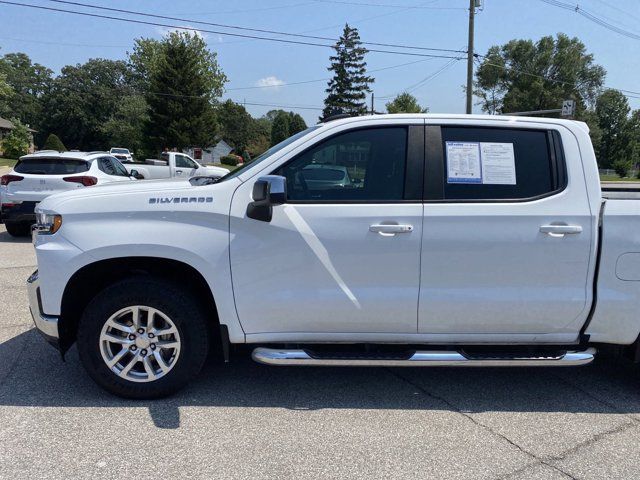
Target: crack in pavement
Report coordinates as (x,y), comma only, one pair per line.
(538,460)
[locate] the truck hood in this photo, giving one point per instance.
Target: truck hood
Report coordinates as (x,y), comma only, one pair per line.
(130,196)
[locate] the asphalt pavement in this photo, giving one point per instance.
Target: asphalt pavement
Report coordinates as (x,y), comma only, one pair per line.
(244,420)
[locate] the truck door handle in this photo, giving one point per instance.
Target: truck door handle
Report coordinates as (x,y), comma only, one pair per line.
(560,230)
(389,230)
(178,172)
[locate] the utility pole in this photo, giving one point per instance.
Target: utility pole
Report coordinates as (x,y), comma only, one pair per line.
(472,12)
(372,109)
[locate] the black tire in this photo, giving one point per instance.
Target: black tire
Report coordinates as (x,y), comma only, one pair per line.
(18,229)
(178,304)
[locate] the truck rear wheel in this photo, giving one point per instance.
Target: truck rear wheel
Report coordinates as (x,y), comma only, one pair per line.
(143,338)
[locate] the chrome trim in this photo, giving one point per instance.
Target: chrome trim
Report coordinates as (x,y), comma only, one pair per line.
(46,324)
(272,356)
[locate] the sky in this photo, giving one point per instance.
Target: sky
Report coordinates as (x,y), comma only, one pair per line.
(259,70)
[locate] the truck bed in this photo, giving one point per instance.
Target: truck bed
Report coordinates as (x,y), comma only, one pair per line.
(621,190)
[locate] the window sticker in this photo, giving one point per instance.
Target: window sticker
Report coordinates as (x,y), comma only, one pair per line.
(498,163)
(463,162)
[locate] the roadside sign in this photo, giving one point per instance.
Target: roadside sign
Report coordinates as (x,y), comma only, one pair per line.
(568,108)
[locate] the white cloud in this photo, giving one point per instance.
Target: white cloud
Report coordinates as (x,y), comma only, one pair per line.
(164,31)
(270,82)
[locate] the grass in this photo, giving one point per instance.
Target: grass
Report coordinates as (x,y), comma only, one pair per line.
(7,162)
(616,178)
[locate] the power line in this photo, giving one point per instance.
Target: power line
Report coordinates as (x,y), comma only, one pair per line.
(247,10)
(64,44)
(302,82)
(387,5)
(182,27)
(431,76)
(626,93)
(593,18)
(248,29)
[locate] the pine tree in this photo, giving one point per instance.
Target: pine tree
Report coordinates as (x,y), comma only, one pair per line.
(347,90)
(181,93)
(280,128)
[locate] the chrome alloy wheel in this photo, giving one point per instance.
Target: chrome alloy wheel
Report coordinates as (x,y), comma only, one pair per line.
(140,344)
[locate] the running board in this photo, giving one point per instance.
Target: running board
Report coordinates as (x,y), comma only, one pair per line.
(434,358)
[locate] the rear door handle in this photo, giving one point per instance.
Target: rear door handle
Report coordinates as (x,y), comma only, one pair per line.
(390,230)
(560,230)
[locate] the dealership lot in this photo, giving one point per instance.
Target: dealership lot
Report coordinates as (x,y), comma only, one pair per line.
(249,421)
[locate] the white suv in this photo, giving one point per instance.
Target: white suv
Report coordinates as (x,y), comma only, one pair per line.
(122,154)
(41,174)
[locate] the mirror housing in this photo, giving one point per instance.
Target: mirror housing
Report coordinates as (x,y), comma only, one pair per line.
(135,174)
(268,191)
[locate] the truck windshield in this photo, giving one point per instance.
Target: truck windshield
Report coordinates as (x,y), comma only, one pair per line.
(120,150)
(268,153)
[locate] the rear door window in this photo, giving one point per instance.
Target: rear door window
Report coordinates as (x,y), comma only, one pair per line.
(119,168)
(51,166)
(182,161)
(105,165)
(499,163)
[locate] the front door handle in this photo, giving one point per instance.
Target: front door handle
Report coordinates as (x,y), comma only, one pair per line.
(560,230)
(389,230)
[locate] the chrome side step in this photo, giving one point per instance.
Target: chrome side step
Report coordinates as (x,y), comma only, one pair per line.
(434,358)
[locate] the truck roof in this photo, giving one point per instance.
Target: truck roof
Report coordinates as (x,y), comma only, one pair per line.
(457,116)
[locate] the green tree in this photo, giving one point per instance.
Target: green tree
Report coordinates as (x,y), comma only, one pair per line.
(235,125)
(183,86)
(347,90)
(522,75)
(296,123)
(126,126)
(28,83)
(280,127)
(83,99)
(53,142)
(17,142)
(612,111)
(260,138)
(405,103)
(5,89)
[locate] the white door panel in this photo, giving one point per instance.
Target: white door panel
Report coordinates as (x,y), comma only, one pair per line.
(319,268)
(495,272)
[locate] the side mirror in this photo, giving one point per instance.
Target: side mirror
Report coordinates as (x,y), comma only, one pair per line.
(135,174)
(267,191)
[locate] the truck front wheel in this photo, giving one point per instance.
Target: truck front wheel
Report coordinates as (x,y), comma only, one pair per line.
(143,337)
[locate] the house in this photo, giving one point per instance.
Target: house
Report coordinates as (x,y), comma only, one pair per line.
(5,129)
(210,154)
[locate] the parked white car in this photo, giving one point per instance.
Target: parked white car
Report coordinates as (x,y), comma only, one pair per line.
(122,154)
(173,165)
(468,241)
(41,174)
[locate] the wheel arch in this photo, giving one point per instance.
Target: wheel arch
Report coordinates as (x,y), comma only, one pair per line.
(92,278)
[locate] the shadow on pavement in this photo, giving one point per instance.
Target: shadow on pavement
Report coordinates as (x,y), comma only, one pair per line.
(6,238)
(32,374)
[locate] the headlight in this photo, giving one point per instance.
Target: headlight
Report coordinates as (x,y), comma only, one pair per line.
(47,223)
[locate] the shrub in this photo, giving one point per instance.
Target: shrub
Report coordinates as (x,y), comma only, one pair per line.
(622,167)
(54,143)
(17,142)
(231,160)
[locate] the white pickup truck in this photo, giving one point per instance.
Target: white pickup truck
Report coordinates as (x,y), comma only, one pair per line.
(459,240)
(172,165)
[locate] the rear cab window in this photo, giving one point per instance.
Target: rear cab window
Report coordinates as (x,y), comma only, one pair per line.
(51,166)
(497,163)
